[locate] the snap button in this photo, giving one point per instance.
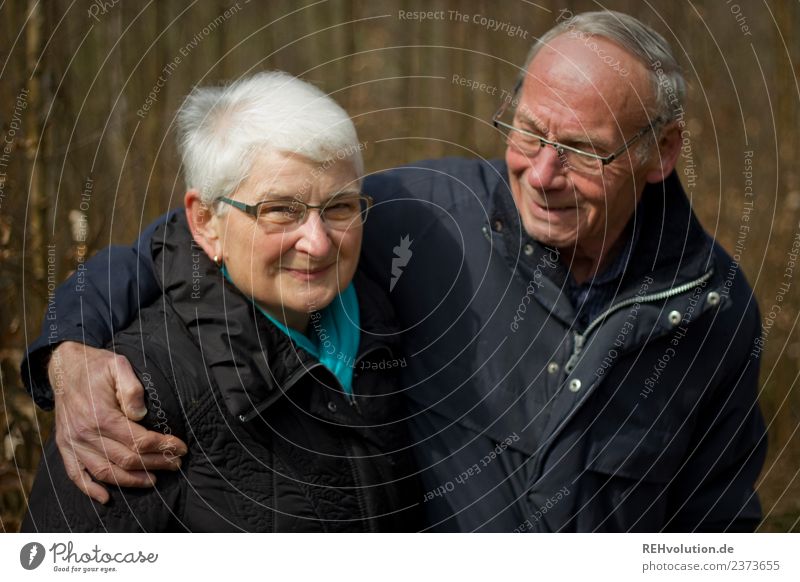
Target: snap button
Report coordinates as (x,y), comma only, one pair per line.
(332,406)
(498,225)
(528,249)
(574,385)
(713,298)
(552,368)
(674,317)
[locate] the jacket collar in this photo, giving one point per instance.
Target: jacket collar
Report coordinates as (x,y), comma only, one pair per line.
(673,248)
(251,361)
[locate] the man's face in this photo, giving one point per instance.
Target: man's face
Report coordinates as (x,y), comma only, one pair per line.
(571,95)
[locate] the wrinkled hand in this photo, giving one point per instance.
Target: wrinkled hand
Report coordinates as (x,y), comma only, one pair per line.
(96,393)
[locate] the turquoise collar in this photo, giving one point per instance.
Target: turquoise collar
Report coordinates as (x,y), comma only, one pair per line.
(335,332)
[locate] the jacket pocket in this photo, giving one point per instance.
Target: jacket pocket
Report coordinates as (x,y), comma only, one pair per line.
(624,486)
(650,456)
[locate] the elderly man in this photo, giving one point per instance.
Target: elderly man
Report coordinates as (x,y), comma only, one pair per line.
(578,349)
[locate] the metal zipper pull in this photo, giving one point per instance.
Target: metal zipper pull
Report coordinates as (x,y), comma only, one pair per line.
(353,403)
(351,397)
(577,348)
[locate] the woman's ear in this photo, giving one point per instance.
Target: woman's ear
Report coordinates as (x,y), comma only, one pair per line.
(203,223)
(666,155)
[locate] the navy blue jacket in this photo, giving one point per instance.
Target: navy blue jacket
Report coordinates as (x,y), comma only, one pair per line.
(645,420)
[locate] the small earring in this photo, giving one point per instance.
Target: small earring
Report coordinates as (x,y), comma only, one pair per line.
(217,261)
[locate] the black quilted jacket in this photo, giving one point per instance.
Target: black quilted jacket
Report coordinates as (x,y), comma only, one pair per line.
(274,444)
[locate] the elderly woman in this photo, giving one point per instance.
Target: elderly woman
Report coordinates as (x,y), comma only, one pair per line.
(262,354)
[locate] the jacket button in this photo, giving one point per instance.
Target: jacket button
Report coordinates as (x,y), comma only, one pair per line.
(713,298)
(674,317)
(552,368)
(498,225)
(528,249)
(332,406)
(574,385)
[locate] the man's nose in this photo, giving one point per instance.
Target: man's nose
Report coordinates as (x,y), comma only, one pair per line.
(547,170)
(314,237)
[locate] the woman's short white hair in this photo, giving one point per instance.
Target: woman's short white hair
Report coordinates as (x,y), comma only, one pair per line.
(222,129)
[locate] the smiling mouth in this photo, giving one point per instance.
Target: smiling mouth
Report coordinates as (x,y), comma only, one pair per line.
(307,273)
(552,208)
(552,214)
(545,207)
(314,270)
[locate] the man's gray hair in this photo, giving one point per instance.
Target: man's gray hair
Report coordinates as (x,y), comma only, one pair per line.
(222,129)
(638,39)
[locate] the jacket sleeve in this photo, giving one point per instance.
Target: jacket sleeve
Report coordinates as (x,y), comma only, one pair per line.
(100,298)
(715,487)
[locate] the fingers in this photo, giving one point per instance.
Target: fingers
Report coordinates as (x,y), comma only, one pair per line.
(82,479)
(102,470)
(115,448)
(93,467)
(126,459)
(135,440)
(115,425)
(147,441)
(130,393)
(95,437)
(156,462)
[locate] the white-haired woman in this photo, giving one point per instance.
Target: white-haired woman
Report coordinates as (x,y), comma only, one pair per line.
(261,355)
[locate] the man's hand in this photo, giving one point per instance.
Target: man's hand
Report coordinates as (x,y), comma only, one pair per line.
(96,393)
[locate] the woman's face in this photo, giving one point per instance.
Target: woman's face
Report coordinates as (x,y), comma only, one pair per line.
(290,274)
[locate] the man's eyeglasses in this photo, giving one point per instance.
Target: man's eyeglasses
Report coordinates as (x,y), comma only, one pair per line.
(339,213)
(581,161)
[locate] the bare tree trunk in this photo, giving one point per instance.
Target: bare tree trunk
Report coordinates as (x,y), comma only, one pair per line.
(33,134)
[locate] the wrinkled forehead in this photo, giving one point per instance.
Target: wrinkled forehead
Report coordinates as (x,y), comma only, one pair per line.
(590,79)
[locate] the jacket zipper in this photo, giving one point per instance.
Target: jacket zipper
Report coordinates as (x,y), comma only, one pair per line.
(292,381)
(357,458)
(351,398)
(356,465)
(580,339)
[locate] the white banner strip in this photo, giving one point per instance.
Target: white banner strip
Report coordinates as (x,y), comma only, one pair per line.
(401,558)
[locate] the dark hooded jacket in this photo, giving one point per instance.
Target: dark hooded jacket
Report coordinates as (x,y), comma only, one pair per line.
(274,443)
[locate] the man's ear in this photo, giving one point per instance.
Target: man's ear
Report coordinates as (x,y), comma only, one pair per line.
(203,223)
(666,153)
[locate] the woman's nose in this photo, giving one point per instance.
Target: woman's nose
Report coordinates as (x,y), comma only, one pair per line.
(314,237)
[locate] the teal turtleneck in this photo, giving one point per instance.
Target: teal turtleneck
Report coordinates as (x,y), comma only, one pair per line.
(333,334)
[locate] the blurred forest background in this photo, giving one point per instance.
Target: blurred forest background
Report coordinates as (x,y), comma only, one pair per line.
(88,91)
